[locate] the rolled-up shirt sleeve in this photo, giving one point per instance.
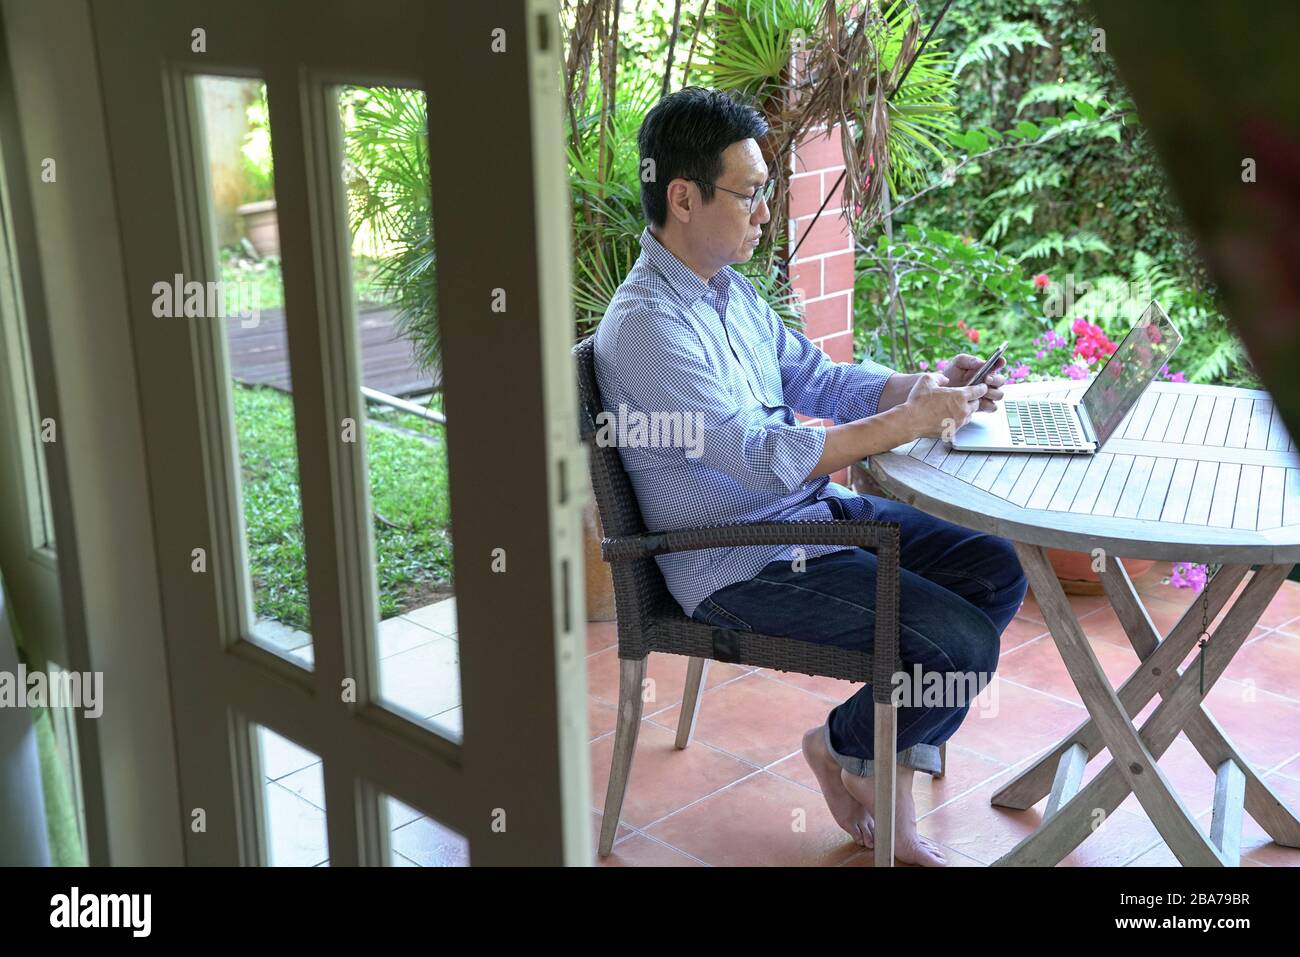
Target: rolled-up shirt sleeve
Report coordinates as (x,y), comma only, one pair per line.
(664,368)
(814,384)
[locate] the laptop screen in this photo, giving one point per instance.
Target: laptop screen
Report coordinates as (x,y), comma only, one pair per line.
(1124,377)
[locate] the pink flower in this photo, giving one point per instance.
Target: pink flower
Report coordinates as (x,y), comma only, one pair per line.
(1188,575)
(973,335)
(924,365)
(941,364)
(1041,281)
(1178,377)
(1074,371)
(1090,342)
(1039,354)
(1019,372)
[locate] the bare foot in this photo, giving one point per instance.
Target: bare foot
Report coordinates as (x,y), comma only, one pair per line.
(909,846)
(848,813)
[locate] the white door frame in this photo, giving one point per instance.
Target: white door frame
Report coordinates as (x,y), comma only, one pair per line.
(522,643)
(28,559)
(67,242)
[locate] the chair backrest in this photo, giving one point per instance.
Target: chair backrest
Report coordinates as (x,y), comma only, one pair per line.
(620,514)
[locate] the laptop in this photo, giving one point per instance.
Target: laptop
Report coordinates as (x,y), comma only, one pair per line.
(1079,426)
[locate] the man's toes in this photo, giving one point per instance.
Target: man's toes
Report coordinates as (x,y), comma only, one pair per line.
(929,851)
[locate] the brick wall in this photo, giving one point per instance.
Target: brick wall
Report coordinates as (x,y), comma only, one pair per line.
(822,272)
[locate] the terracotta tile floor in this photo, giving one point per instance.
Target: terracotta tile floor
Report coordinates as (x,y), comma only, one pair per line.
(740,792)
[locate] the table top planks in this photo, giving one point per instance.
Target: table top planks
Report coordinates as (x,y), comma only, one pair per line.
(1192,473)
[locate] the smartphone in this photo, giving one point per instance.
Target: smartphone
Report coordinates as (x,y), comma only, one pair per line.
(988,366)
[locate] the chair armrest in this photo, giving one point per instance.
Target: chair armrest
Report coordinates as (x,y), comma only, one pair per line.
(880,537)
(870,535)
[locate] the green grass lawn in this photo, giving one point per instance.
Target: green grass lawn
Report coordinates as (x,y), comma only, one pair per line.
(265,276)
(408,489)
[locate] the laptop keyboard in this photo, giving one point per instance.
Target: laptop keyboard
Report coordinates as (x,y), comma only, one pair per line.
(1040,423)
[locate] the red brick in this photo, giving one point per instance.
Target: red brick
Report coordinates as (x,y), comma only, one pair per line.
(805,195)
(807,276)
(819,151)
(827,317)
(839,348)
(829,177)
(827,235)
(838,272)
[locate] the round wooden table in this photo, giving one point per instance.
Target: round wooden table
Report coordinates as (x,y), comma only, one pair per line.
(1193,473)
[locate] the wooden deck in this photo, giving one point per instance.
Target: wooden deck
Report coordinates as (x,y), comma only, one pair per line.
(259,355)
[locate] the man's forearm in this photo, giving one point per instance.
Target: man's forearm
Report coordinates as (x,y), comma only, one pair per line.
(854,441)
(897,389)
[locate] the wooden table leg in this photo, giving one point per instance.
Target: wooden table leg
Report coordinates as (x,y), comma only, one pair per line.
(1263,804)
(1027,788)
(1135,762)
(1065,830)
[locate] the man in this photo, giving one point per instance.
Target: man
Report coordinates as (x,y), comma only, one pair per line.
(687,338)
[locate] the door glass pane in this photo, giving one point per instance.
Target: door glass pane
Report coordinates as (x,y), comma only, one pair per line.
(237,140)
(293,791)
(28,428)
(386,171)
(419,841)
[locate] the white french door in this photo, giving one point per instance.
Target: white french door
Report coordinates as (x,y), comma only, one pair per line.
(499,761)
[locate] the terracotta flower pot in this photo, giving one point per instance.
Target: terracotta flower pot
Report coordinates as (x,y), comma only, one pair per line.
(1074,571)
(262,226)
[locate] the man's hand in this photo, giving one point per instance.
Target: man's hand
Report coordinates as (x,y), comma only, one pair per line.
(935,410)
(964,366)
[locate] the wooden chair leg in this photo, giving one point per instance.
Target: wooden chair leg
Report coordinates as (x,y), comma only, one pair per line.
(696,673)
(943,762)
(631,677)
(886,768)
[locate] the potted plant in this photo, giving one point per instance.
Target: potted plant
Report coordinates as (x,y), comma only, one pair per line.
(258,213)
(1074,570)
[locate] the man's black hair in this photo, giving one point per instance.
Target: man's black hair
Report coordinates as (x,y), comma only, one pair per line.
(685,134)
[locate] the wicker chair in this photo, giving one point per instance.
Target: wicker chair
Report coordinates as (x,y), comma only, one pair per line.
(649,619)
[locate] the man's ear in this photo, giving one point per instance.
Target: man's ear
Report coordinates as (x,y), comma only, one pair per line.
(681,200)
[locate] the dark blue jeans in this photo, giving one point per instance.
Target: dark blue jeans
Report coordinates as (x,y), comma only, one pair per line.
(959,590)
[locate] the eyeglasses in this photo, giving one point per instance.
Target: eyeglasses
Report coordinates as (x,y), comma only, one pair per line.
(765,191)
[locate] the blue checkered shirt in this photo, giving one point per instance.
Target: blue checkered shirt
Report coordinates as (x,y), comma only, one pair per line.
(670,343)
